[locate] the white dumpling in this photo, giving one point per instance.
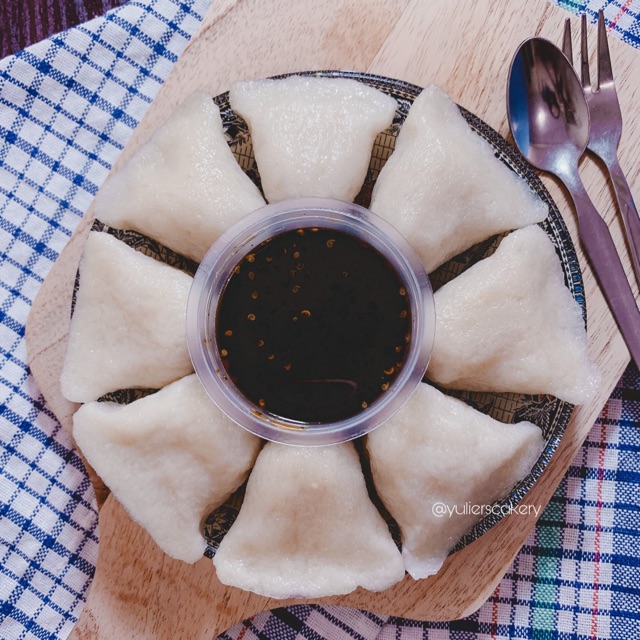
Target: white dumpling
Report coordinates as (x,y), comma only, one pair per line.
(312,136)
(307,528)
(444,189)
(438,465)
(509,323)
(169,458)
(128,327)
(183,187)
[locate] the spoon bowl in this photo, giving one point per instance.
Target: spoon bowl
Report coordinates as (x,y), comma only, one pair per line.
(547,109)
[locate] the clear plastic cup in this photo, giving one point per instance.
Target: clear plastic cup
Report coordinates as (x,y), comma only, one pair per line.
(231,248)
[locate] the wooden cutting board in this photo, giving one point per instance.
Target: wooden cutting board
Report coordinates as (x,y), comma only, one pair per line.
(465,47)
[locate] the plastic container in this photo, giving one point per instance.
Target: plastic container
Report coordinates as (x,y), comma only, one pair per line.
(231,248)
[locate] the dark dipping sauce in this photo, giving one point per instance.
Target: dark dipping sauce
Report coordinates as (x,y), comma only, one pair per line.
(313,325)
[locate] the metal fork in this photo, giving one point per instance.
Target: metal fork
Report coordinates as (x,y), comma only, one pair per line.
(606,127)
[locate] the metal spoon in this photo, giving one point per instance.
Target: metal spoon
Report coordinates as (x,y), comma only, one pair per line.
(549,120)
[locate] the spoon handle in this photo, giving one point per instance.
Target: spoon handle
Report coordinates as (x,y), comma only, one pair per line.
(629,213)
(603,257)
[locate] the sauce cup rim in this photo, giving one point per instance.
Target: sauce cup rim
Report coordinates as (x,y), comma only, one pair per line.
(239,240)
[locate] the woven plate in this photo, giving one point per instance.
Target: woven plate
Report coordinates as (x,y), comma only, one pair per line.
(549,413)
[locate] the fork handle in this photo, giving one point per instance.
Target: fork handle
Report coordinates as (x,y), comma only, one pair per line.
(603,257)
(629,213)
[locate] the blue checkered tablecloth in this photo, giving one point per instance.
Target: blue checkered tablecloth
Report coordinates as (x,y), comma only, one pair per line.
(67,107)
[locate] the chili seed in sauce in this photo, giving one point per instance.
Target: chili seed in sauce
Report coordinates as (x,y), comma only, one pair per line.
(350,341)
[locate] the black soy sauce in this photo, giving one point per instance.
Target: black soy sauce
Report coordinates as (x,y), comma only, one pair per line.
(313,325)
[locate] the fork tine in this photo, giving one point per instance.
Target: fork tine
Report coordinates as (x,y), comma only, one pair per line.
(605,73)
(584,55)
(567,49)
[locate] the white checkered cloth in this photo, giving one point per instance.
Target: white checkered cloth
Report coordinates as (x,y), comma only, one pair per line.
(68,105)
